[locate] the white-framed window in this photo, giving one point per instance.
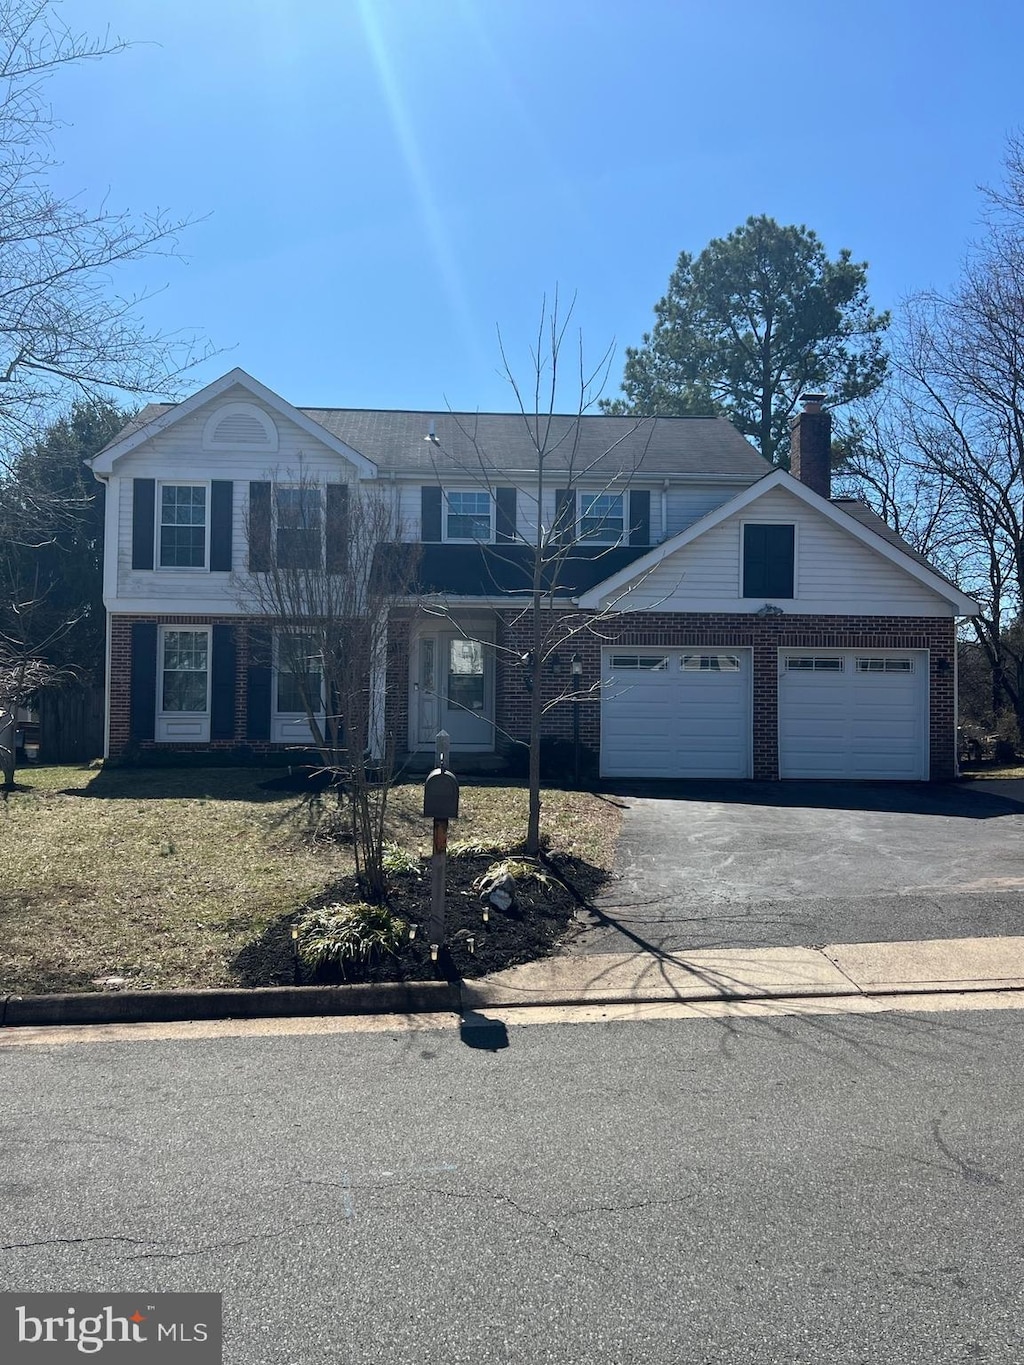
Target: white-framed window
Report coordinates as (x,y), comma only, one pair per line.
(602,517)
(885,665)
(299,526)
(183,684)
(298,674)
(468,516)
(184,525)
(711,663)
(807,663)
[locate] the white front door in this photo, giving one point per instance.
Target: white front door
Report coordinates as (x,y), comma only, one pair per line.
(453,689)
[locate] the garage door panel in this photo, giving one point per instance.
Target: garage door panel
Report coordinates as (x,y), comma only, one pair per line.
(866,718)
(676,721)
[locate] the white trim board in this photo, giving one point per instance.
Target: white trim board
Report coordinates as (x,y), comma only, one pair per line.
(104,462)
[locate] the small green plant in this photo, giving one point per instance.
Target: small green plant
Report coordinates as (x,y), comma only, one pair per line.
(397,860)
(336,934)
(479,848)
(518,870)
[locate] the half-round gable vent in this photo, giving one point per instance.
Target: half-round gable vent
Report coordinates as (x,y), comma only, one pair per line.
(240,426)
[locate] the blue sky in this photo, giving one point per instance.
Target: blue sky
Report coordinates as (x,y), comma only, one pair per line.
(383,182)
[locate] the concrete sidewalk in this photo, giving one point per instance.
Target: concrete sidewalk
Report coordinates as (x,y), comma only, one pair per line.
(931,965)
(937,966)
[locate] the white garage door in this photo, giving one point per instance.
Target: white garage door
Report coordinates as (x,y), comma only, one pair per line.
(853,713)
(675,713)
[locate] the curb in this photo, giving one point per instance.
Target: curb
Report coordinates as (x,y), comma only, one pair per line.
(261,1002)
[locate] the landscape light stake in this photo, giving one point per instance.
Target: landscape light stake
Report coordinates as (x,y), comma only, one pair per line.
(296,969)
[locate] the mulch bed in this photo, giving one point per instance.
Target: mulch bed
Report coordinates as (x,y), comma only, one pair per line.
(542,917)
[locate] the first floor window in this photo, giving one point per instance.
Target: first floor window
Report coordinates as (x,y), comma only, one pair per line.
(601,517)
(182,526)
(298,528)
(469,516)
(299,675)
(185,671)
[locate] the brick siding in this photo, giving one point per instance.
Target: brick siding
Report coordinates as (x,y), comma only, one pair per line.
(764,635)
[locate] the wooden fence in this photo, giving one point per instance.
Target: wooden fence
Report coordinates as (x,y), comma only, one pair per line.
(71,724)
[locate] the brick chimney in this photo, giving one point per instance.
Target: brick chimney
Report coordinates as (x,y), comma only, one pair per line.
(810,457)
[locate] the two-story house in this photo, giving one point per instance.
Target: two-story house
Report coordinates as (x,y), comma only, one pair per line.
(735,621)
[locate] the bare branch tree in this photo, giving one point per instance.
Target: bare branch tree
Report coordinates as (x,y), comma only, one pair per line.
(325,601)
(544,554)
(64,331)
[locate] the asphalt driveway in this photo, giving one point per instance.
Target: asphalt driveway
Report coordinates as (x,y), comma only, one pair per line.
(713,864)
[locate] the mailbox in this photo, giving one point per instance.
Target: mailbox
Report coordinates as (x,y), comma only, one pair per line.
(441,795)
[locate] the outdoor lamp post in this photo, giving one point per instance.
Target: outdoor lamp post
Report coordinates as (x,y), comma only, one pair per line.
(577,674)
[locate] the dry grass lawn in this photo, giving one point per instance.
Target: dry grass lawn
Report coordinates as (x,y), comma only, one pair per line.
(164,876)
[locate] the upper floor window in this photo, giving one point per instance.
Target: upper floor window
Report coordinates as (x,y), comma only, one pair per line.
(768,560)
(601,517)
(298,527)
(183,526)
(468,516)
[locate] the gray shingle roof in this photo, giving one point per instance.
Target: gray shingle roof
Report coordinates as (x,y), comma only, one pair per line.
(605,445)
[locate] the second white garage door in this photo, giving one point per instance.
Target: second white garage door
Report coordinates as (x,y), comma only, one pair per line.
(676,713)
(853,713)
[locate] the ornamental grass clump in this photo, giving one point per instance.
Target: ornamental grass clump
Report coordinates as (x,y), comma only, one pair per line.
(337,934)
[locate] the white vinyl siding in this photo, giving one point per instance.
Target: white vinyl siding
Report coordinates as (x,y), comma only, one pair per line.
(853,714)
(836,574)
(676,713)
(176,456)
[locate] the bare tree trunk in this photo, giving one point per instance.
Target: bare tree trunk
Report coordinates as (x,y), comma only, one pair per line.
(7,763)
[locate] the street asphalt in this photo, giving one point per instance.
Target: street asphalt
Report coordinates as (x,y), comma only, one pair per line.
(780,1191)
(731,865)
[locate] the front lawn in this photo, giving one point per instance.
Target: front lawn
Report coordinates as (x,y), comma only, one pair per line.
(176,877)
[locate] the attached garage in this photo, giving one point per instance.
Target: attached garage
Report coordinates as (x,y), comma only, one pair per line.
(676,712)
(853,714)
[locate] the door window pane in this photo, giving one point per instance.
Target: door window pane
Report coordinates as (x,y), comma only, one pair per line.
(466,675)
(185,671)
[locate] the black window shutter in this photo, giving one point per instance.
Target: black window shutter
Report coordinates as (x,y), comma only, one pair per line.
(337,527)
(221,508)
(754,561)
(258,685)
(779,544)
(639,516)
(768,561)
(430,513)
(259,527)
(143,522)
(222,702)
(505,515)
(565,515)
(142,713)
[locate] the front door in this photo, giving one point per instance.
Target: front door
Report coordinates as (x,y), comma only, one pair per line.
(454,689)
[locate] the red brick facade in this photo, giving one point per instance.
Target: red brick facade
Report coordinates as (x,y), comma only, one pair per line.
(764,635)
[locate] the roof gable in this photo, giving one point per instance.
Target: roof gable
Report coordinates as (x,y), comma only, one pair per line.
(885,546)
(165,417)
